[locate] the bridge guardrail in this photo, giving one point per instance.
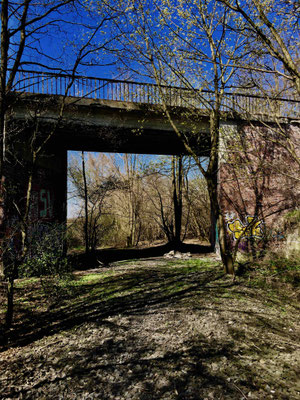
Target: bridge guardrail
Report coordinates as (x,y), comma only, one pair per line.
(149,93)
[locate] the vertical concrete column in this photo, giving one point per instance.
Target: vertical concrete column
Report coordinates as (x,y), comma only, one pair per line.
(48,197)
(49,202)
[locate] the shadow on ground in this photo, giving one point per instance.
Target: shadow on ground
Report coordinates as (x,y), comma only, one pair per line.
(132,292)
(153,330)
(107,256)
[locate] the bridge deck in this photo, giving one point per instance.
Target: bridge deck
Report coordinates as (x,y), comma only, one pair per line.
(246,106)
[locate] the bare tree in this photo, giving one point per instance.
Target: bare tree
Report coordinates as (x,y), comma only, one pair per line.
(93,185)
(196,58)
(86,199)
(272,32)
(21,45)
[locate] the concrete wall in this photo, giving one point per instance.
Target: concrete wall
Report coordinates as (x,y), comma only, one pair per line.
(259,178)
(48,197)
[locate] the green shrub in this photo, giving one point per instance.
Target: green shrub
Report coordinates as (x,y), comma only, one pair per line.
(45,255)
(46,259)
(293,217)
(280,267)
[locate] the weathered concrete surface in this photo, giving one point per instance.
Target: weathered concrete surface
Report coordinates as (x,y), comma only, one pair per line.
(112,126)
(81,124)
(259,177)
(48,193)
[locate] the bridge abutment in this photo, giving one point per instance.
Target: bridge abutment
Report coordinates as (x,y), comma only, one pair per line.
(256,174)
(258,182)
(46,181)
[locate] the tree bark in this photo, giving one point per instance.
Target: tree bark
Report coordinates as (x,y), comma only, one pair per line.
(177,198)
(211,177)
(10,294)
(3,72)
(86,211)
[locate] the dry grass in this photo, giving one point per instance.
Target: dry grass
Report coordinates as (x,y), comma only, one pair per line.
(154,329)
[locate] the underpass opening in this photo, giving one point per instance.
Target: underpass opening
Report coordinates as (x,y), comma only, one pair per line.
(123,205)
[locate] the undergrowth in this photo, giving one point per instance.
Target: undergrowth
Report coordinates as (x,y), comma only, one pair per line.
(274,271)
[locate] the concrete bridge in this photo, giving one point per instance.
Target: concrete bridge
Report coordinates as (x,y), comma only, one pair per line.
(92,114)
(120,116)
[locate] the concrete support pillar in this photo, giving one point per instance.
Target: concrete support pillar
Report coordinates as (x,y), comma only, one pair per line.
(48,205)
(49,194)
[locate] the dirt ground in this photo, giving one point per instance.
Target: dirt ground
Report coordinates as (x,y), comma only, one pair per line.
(156,329)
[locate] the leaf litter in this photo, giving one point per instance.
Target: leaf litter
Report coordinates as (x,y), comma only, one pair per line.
(155,330)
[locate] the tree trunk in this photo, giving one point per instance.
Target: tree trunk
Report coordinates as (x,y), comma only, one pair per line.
(86,215)
(224,248)
(212,186)
(19,252)
(3,72)
(10,295)
(177,197)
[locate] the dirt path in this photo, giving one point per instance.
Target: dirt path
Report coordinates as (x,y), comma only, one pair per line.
(155,329)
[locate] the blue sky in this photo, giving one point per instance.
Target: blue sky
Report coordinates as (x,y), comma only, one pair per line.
(57,44)
(58,38)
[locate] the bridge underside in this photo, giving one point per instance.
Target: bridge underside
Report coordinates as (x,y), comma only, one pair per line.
(121,140)
(84,124)
(111,126)
(115,126)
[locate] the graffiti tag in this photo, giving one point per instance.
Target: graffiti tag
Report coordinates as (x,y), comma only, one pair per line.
(45,204)
(251,228)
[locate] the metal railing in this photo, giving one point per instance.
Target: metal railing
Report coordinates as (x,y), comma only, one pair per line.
(148,93)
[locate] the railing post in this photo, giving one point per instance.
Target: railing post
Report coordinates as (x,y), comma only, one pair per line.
(107,89)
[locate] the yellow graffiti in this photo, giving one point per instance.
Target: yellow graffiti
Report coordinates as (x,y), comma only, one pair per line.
(249,229)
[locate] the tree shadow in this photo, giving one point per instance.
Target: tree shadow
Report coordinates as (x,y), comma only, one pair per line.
(118,360)
(131,293)
(117,367)
(107,256)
